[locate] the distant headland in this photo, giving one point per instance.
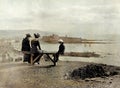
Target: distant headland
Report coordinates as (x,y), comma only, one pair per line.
(54,39)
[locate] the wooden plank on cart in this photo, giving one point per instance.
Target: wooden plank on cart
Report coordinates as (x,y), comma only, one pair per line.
(49,55)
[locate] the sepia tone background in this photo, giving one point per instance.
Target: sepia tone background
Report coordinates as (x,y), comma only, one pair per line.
(96,20)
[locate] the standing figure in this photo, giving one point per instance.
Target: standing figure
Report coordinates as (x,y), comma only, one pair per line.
(26,48)
(60,51)
(35,47)
(61,47)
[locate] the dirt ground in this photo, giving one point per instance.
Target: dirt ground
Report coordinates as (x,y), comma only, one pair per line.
(44,75)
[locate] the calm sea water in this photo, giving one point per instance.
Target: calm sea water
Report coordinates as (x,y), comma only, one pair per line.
(109,53)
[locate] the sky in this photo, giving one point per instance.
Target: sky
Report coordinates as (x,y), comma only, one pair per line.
(64,16)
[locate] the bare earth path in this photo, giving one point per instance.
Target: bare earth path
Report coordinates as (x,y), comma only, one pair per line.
(23,75)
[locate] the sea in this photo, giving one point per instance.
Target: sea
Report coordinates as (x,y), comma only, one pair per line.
(109,52)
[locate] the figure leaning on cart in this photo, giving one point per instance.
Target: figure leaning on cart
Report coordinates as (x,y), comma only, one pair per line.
(35,47)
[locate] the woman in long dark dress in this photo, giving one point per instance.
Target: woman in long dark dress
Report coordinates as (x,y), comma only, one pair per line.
(35,47)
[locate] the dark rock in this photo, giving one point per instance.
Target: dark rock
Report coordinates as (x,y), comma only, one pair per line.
(92,71)
(113,73)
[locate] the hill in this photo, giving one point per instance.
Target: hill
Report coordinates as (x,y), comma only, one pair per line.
(19,33)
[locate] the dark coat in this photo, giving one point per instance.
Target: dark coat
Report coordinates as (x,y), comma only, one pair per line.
(61,49)
(60,52)
(25,45)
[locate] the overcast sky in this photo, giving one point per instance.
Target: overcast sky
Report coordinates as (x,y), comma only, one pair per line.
(83,16)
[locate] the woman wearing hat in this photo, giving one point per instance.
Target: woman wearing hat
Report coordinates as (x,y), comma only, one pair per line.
(35,46)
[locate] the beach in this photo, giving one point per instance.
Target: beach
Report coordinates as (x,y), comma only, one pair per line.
(44,75)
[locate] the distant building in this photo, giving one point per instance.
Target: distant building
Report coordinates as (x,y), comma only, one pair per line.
(54,38)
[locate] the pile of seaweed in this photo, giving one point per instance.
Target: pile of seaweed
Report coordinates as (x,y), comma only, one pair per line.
(94,70)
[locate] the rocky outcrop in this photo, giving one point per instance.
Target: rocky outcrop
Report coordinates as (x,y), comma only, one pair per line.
(54,39)
(94,70)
